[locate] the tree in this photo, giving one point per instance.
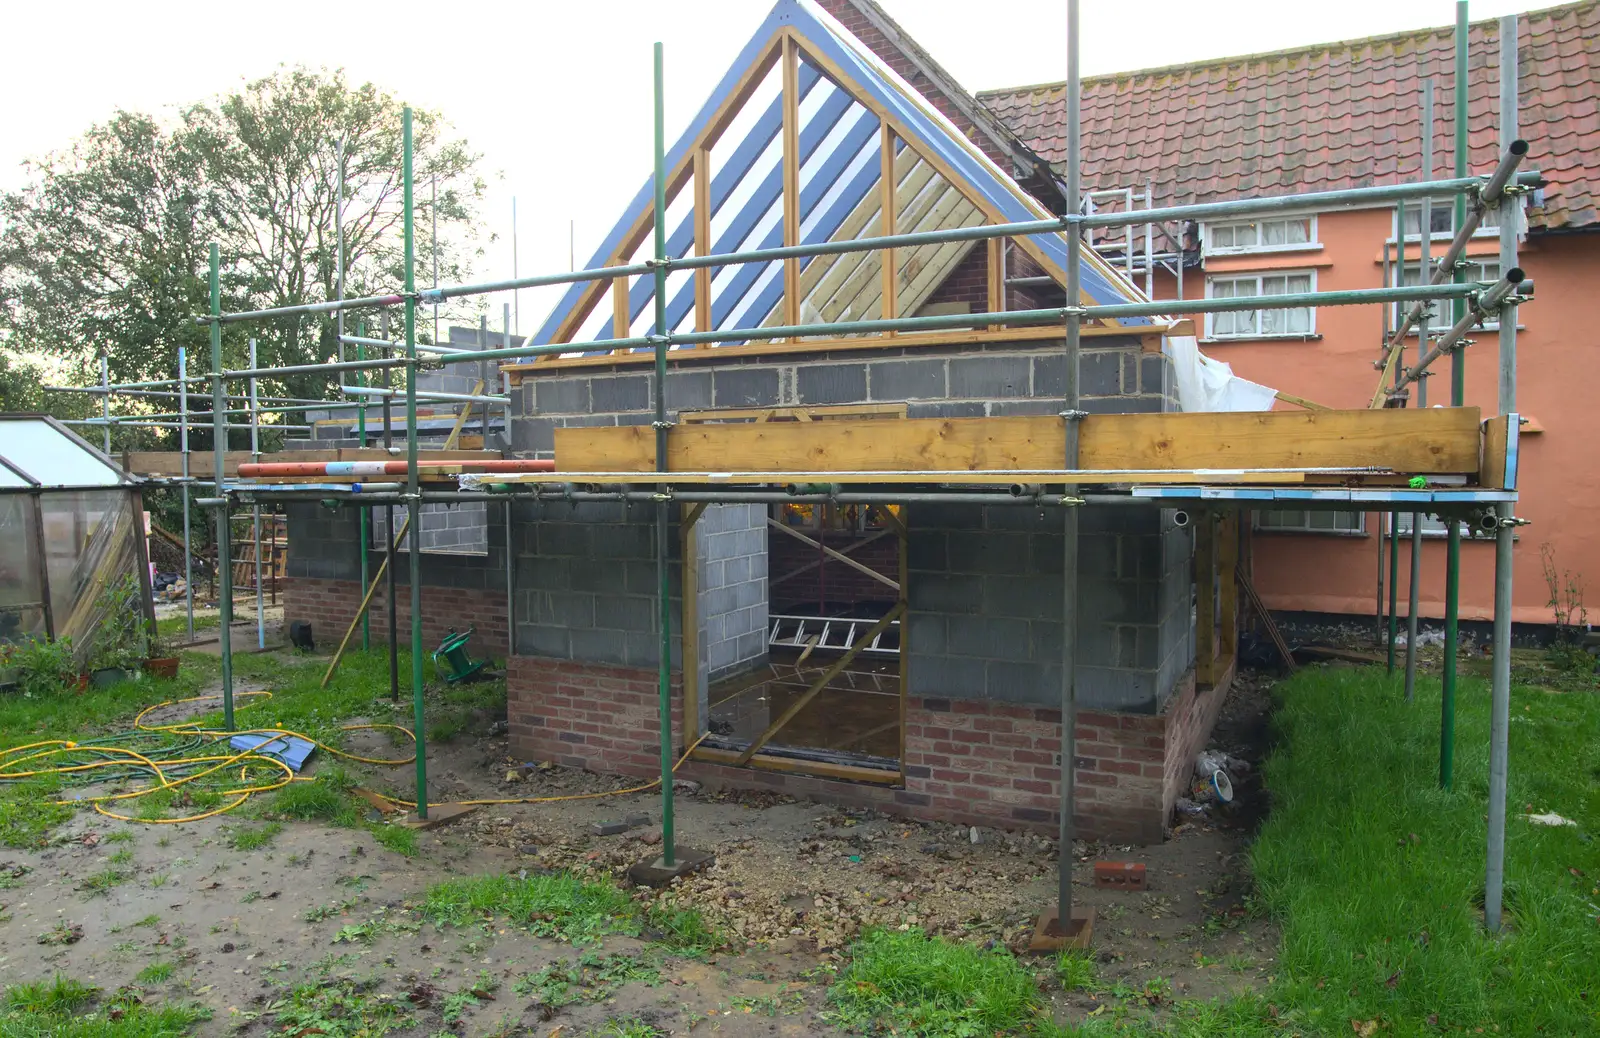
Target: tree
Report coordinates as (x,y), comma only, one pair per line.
(106,250)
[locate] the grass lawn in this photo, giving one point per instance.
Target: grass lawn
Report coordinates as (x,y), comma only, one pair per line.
(1376,875)
(298,703)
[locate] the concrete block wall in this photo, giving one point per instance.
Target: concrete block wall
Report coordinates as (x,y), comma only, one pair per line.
(997,379)
(323,581)
(731,541)
(986,598)
(586,582)
(446,527)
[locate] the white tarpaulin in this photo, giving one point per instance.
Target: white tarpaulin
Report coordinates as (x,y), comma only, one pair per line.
(1205,384)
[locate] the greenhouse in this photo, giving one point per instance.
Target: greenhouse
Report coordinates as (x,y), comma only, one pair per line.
(70,544)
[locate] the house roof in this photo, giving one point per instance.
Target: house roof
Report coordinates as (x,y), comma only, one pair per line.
(37,452)
(1334,115)
(848,93)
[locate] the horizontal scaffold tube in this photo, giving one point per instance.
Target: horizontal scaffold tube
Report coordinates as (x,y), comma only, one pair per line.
(428,395)
(389,468)
(386,344)
(1241,207)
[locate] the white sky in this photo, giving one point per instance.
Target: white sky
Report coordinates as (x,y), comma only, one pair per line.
(556,95)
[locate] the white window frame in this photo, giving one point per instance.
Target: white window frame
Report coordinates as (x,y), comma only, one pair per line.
(1207,227)
(1306,527)
(1484,230)
(1258,276)
(1443,308)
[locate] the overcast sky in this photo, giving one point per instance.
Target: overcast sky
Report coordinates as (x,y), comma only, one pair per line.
(556,95)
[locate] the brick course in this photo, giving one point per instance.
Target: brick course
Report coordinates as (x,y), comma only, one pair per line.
(331,604)
(973,763)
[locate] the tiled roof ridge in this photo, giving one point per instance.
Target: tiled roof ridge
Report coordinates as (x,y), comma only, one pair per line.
(1543,13)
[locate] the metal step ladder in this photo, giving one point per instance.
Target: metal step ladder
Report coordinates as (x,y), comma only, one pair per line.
(833,634)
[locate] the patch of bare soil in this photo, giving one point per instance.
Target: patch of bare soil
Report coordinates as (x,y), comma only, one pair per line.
(331,912)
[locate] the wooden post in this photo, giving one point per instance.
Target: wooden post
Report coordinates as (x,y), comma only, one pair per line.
(702,239)
(791,178)
(690,632)
(1228,589)
(997,277)
(1205,590)
(888,201)
(621,315)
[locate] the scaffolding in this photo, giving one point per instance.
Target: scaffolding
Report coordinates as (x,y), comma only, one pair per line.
(1068,460)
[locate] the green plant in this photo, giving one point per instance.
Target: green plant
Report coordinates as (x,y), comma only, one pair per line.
(1571,617)
(61,995)
(155,973)
(904,980)
(120,638)
(1076,971)
(251,838)
(397,838)
(40,667)
(593,978)
(29,810)
(557,905)
(337,1009)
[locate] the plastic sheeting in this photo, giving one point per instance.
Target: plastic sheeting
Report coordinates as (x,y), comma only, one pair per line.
(1207,384)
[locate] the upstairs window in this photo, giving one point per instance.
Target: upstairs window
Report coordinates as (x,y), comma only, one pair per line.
(1261,235)
(1255,324)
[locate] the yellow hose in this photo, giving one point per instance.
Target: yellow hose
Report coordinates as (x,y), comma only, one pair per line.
(245,758)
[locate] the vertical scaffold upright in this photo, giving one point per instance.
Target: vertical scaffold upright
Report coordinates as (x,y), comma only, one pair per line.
(219,450)
(669,850)
(413,482)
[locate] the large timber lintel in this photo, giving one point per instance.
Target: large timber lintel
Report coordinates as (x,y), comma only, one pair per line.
(1435,441)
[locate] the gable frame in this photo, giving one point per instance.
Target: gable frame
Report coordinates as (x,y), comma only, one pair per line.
(900,112)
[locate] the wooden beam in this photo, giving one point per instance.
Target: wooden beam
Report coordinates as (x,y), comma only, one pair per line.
(997,277)
(634,236)
(1205,601)
(816,412)
(724,478)
(888,195)
(621,310)
(1268,622)
(837,556)
(809,566)
(170,463)
(1492,471)
(702,238)
(905,629)
(980,337)
(1428,441)
(791,177)
(794,765)
(822,682)
(1300,401)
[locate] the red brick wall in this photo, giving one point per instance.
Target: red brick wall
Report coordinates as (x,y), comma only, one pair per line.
(973,763)
(330,605)
(843,584)
(1191,714)
(967,283)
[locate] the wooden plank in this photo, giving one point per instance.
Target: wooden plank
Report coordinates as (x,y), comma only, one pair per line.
(819,412)
(985,477)
(1300,401)
(1267,621)
(888,186)
(170,463)
(1430,441)
(1205,600)
(957,337)
(702,238)
(791,177)
(1492,470)
(793,765)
